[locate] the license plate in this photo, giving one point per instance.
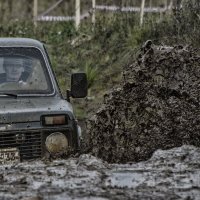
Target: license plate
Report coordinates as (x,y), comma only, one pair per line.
(9,155)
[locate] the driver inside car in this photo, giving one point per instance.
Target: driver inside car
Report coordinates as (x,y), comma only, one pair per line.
(14,70)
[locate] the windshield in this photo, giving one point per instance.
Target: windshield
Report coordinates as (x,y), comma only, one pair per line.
(23,71)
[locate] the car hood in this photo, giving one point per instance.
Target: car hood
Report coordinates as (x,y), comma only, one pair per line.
(31,109)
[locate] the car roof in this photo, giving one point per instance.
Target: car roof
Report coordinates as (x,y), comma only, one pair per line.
(20,42)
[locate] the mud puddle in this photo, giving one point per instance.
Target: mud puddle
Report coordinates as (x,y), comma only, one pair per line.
(169,174)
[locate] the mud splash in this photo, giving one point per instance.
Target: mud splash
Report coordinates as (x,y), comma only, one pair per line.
(156,107)
(169,174)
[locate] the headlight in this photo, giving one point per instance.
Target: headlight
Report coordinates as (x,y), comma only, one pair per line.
(54,120)
(57,143)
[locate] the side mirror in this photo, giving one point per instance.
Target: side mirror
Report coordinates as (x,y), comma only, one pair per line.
(78,85)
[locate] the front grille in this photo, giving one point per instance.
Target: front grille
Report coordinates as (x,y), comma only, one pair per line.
(28,143)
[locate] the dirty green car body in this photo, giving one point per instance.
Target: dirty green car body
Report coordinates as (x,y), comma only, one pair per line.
(22,114)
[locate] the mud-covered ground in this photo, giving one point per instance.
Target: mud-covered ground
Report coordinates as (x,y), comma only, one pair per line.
(168,174)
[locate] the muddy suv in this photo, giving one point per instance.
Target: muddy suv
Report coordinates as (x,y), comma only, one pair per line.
(35,119)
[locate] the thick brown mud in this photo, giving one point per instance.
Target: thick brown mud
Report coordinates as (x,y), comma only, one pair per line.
(168,174)
(156,107)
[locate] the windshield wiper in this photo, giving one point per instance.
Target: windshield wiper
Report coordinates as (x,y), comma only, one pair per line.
(9,94)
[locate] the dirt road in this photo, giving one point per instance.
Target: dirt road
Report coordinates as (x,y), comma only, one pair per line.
(171,174)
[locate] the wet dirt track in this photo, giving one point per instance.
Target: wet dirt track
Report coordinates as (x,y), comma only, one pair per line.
(168,174)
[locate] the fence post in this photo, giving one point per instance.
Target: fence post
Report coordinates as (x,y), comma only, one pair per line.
(150,3)
(35,12)
(170,7)
(142,12)
(93,11)
(77,11)
(166,5)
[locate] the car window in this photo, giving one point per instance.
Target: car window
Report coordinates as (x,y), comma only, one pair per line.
(23,70)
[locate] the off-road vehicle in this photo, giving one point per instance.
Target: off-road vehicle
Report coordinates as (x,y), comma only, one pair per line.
(35,119)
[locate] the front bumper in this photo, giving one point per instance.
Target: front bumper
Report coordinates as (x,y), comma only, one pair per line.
(31,143)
